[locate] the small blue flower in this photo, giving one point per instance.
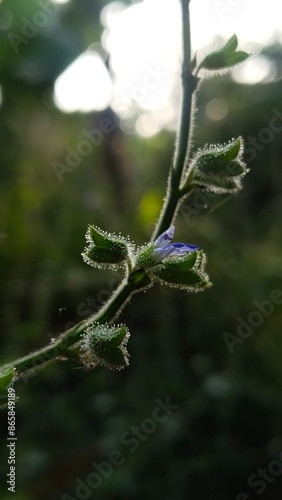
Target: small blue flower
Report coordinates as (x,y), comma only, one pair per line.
(163,248)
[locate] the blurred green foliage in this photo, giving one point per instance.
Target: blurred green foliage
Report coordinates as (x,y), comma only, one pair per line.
(229,420)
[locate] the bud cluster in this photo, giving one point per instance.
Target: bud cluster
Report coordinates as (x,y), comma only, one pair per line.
(218,168)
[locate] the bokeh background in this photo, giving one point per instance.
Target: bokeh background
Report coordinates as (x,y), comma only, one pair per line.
(229,421)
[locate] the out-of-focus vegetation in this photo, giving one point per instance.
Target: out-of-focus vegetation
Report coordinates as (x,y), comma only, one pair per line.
(229,420)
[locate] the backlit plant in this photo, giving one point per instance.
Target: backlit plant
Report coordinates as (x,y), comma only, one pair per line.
(216,168)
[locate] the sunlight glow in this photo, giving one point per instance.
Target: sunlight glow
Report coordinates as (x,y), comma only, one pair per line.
(251,20)
(84,86)
(257,70)
(144,44)
(217,109)
(60,1)
(145,50)
(147,126)
(145,68)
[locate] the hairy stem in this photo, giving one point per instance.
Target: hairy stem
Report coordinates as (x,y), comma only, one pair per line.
(59,348)
(173,194)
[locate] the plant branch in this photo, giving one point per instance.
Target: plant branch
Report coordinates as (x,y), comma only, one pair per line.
(136,280)
(59,348)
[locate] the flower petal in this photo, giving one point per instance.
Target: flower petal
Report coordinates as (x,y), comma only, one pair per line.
(161,253)
(173,249)
(183,248)
(162,247)
(165,237)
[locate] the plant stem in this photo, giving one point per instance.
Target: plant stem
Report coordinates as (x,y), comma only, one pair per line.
(136,281)
(173,194)
(187,89)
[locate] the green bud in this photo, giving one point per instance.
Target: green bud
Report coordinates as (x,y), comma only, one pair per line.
(219,168)
(186,272)
(7,375)
(105,250)
(224,58)
(106,345)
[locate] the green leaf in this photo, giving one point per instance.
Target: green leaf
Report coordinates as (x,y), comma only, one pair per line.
(225,57)
(237,58)
(231,45)
(106,250)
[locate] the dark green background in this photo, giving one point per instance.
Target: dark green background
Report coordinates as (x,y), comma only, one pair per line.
(229,420)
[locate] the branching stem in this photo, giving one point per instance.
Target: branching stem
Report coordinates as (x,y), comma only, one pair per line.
(60,348)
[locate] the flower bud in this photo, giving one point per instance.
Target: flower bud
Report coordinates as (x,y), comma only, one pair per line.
(106,345)
(219,168)
(162,248)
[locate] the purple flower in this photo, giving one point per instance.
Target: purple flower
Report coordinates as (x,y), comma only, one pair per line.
(163,248)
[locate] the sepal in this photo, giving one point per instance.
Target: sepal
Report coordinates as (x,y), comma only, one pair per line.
(185,272)
(145,257)
(105,250)
(219,168)
(106,345)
